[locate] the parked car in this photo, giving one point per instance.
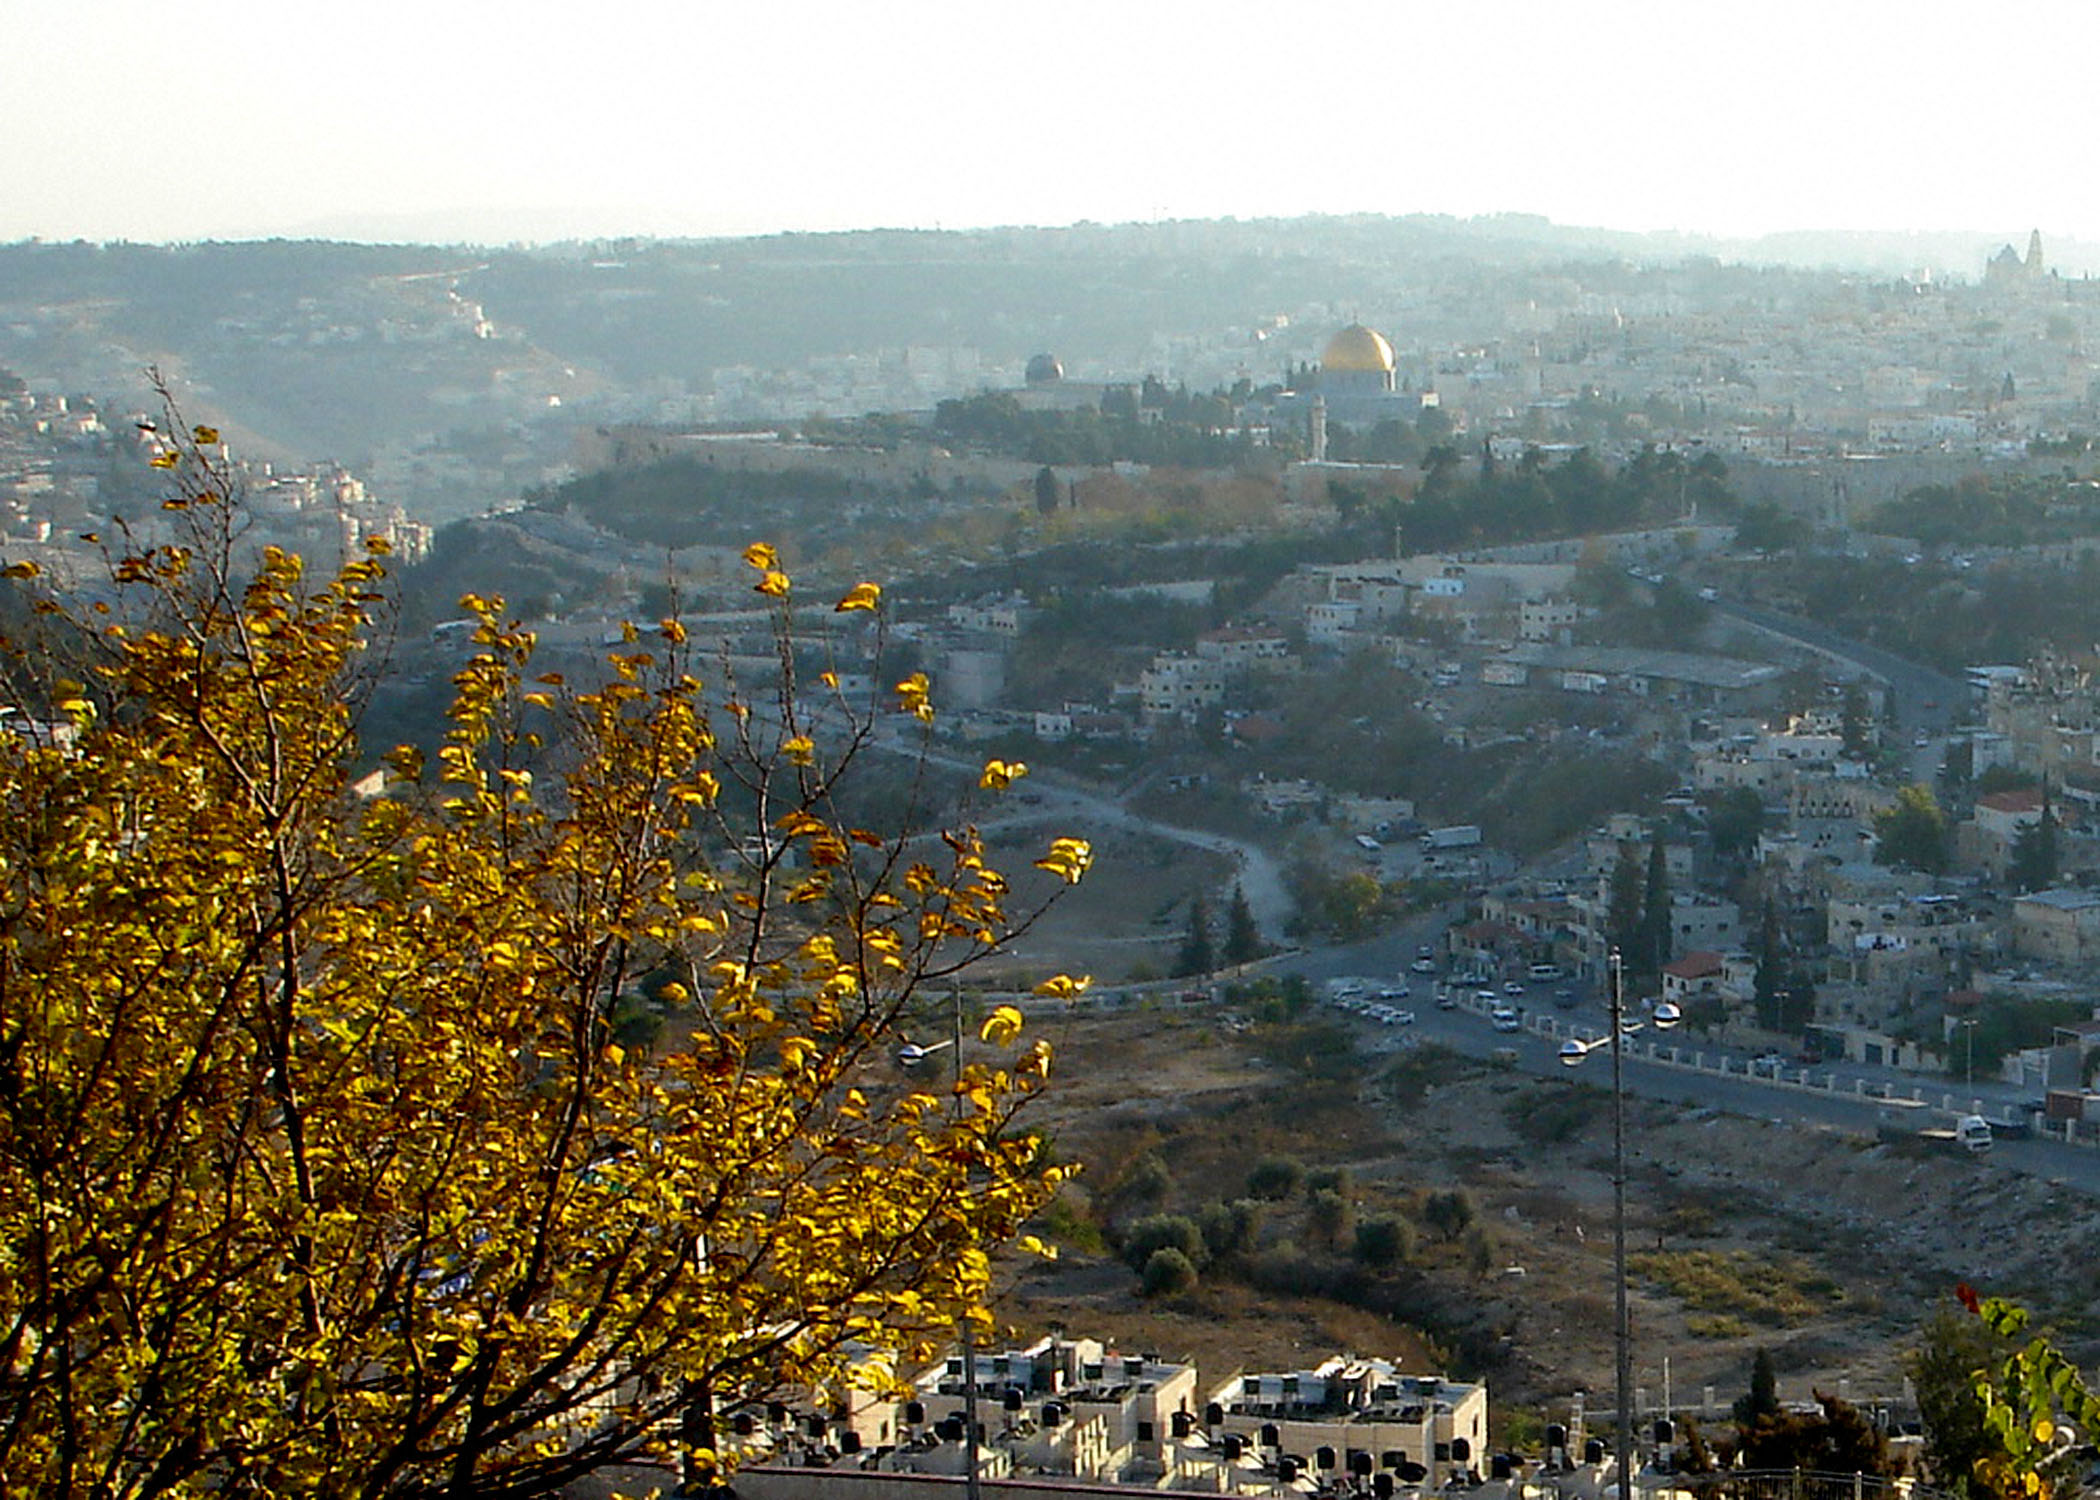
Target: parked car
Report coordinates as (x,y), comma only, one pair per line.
(1423,966)
(1502,1018)
(1513,987)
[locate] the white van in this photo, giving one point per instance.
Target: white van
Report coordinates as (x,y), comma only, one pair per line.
(1545,973)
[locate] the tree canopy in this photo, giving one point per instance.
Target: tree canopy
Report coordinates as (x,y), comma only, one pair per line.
(321,1168)
(1912,831)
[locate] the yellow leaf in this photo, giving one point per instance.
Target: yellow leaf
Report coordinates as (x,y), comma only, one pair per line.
(1068,859)
(20,570)
(1064,986)
(800,750)
(1000,774)
(761,557)
(1034,1246)
(673,631)
(914,696)
(2044,1430)
(206,435)
(860,596)
(167,460)
(774,585)
(1001,1026)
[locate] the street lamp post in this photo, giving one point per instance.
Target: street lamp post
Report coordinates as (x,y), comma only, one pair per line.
(1572,1053)
(1969,1025)
(910,1055)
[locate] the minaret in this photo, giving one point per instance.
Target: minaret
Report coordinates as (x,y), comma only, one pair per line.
(2033,264)
(1318,424)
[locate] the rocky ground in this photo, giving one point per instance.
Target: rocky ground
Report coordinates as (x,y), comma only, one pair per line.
(1826,1249)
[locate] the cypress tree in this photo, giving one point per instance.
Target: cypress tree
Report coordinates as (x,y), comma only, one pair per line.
(1242,937)
(1197,956)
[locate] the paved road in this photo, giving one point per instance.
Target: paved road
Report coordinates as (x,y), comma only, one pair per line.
(1920,698)
(1069,806)
(1466,1031)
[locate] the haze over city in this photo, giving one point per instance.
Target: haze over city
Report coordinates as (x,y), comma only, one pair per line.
(616,625)
(392,121)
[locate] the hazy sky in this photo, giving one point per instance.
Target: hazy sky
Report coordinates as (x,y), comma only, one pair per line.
(534,120)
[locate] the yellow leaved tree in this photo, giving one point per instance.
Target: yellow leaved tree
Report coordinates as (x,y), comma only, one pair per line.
(322,1171)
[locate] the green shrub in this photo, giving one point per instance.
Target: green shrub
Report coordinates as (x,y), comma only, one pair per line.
(1168,1273)
(1330,1218)
(1275,1178)
(1450,1212)
(1148,1236)
(1385,1241)
(1228,1229)
(1062,1224)
(1331,1180)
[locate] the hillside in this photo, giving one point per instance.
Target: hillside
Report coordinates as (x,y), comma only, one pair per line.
(1827,1250)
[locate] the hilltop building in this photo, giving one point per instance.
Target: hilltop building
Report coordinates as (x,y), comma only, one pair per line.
(2008,271)
(1357,362)
(1355,383)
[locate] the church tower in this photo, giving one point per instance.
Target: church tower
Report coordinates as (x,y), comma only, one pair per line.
(2033,264)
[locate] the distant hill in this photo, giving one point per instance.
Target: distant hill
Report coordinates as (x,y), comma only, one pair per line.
(458,370)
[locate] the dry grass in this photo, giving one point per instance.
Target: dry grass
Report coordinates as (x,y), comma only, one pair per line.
(1770,1292)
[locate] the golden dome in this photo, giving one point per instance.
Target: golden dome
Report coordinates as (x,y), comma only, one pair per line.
(1358,350)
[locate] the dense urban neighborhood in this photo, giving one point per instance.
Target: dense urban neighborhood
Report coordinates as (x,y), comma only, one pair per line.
(1464,648)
